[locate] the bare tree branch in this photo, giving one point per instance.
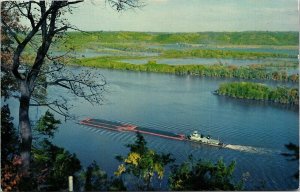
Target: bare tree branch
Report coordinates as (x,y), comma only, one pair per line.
(57,57)
(121,5)
(18,6)
(29,15)
(64,28)
(44,48)
(60,108)
(75,2)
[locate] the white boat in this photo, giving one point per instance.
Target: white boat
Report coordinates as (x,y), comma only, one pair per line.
(197,137)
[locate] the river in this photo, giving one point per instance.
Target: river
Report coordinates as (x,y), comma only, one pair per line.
(256,132)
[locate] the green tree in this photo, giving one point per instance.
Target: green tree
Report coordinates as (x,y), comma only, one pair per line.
(95,178)
(202,175)
(257,91)
(47,125)
(51,164)
(143,164)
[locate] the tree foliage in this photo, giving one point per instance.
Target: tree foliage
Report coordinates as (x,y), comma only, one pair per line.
(257,91)
(53,165)
(202,175)
(47,124)
(95,179)
(10,159)
(216,70)
(8,83)
(143,164)
(9,137)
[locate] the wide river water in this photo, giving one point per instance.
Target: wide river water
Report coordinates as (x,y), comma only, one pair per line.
(256,132)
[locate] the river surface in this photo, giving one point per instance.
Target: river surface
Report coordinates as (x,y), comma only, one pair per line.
(256,132)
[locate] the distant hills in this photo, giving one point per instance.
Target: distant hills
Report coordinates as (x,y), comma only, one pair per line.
(217,38)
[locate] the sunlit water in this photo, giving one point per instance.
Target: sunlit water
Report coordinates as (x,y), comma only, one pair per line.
(255,132)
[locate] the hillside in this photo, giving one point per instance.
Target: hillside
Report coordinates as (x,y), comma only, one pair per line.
(217,38)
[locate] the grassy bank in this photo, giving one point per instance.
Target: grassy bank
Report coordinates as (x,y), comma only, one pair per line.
(257,91)
(247,72)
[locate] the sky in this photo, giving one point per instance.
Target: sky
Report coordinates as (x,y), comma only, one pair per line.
(189,16)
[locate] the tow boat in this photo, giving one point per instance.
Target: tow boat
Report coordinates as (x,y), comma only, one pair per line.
(199,138)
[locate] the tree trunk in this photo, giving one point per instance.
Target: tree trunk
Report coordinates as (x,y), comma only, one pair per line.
(25,129)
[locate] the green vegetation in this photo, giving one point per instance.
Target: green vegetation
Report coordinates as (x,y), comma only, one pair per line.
(10,161)
(276,65)
(216,38)
(222,54)
(57,164)
(257,91)
(143,163)
(203,175)
(47,125)
(130,42)
(218,70)
(9,137)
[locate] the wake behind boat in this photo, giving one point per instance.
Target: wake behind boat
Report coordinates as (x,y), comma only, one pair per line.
(117,126)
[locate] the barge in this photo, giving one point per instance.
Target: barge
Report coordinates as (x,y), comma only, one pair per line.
(117,126)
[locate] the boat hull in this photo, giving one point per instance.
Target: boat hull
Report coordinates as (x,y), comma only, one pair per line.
(208,142)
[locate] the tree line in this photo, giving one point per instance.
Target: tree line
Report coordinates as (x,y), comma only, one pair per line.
(216,70)
(203,53)
(257,91)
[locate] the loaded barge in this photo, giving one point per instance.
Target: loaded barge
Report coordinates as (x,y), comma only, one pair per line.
(116,126)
